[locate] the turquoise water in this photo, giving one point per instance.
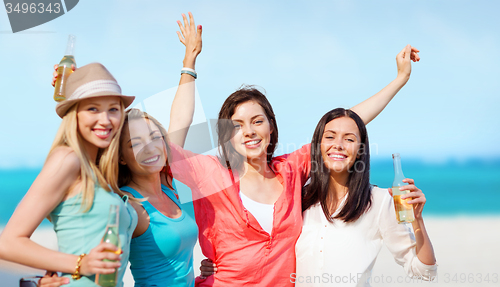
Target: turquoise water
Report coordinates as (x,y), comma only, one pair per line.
(14,183)
(469,188)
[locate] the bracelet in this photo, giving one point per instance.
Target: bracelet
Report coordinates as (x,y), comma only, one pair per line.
(77,275)
(190,72)
(188,69)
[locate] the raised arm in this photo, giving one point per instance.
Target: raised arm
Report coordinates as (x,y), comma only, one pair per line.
(371,107)
(58,175)
(181,114)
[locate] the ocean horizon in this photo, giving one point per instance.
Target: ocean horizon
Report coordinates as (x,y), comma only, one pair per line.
(467,187)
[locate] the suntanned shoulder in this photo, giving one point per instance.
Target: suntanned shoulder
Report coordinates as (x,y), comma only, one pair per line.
(65,160)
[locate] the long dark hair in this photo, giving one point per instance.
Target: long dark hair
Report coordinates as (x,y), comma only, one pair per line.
(228,156)
(124,173)
(358,199)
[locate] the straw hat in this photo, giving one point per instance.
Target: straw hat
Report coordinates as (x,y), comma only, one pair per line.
(89,81)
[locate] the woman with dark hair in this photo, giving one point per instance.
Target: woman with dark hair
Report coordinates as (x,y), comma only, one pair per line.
(346,220)
(317,190)
(225,125)
(248,203)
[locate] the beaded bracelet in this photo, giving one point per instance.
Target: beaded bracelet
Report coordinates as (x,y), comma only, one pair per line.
(190,72)
(77,275)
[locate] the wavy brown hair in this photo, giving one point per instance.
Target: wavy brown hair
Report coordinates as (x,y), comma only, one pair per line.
(228,156)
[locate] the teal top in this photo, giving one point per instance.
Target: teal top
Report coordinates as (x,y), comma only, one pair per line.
(78,232)
(163,254)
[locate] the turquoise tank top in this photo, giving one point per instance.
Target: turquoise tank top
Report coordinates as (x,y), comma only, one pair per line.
(163,255)
(78,232)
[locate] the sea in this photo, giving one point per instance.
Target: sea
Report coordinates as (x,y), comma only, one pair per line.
(465,187)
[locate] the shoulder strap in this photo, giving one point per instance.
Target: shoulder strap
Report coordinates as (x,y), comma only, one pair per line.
(132,191)
(147,206)
(171,194)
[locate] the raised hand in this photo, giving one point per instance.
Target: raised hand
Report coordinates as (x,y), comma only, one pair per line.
(190,36)
(403,60)
(93,263)
(54,75)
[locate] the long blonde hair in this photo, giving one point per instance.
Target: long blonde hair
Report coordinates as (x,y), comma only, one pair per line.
(104,171)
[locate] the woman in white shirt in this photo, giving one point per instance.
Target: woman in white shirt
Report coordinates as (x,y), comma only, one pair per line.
(346,220)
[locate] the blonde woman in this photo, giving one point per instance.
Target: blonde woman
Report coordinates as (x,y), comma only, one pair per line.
(161,251)
(77,186)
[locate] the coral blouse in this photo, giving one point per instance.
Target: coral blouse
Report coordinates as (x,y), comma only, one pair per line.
(229,235)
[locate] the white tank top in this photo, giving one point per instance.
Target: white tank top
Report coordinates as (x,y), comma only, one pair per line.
(261,211)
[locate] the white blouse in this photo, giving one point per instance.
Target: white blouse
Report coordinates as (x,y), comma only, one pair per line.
(336,253)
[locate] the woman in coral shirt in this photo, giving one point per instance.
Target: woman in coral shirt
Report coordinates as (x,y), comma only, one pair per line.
(247,202)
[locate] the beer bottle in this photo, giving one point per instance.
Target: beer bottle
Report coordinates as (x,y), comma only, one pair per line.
(64,70)
(111,236)
(404,211)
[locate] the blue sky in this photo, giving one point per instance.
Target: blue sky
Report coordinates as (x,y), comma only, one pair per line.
(310,57)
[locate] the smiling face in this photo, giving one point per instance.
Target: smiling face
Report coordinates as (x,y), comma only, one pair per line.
(252,131)
(99,120)
(142,147)
(340,144)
